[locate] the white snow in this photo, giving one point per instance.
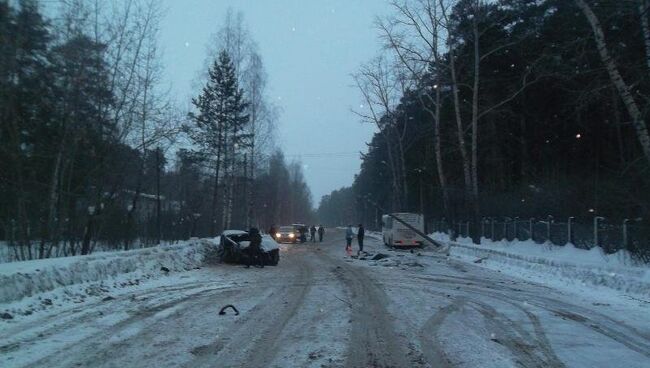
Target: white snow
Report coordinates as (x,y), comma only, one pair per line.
(23,279)
(565,267)
(234,232)
(302,310)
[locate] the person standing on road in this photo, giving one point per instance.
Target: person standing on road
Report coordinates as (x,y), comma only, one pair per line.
(312,232)
(348,237)
(321,232)
(254,249)
(361,233)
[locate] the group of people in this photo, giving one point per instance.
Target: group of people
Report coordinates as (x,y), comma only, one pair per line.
(349,235)
(313,231)
(254,251)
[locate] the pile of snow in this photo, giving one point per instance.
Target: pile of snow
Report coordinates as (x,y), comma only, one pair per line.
(22,279)
(374,234)
(557,265)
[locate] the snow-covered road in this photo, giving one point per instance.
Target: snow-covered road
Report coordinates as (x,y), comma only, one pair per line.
(319,308)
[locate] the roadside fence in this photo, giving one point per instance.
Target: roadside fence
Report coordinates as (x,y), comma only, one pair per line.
(586,233)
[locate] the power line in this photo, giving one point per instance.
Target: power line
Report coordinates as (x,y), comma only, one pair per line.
(324,154)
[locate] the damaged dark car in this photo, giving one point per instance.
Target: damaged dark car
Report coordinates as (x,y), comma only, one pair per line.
(233,245)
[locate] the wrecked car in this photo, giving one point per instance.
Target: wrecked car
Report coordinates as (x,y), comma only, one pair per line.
(233,242)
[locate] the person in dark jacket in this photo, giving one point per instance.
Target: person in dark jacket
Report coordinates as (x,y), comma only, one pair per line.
(321,232)
(254,250)
(361,233)
(312,232)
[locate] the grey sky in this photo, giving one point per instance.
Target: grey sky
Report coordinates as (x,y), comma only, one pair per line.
(309,48)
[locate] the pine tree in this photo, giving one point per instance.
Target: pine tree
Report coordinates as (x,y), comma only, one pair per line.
(24,38)
(219,131)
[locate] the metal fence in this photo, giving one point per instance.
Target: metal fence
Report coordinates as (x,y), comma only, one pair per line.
(628,234)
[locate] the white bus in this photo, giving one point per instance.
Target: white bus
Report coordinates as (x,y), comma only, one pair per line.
(396,234)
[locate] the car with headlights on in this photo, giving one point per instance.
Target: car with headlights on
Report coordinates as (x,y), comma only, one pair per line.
(288,234)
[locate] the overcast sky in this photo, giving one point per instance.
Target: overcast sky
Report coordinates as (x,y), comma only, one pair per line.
(310,48)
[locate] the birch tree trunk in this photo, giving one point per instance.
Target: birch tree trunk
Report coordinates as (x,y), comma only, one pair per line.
(475,102)
(394,176)
(459,123)
(404,193)
(644,6)
(474,146)
(623,89)
(442,178)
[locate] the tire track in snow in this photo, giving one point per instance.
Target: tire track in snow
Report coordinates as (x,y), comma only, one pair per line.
(373,341)
(253,341)
(433,352)
(103,342)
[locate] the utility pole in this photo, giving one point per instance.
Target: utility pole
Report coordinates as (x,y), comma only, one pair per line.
(158,204)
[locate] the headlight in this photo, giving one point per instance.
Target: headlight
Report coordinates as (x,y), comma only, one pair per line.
(278,235)
(291,235)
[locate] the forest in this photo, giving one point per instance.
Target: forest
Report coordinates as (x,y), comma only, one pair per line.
(95,154)
(502,110)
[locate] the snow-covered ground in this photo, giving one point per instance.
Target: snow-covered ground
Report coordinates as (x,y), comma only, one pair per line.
(8,254)
(321,307)
(503,314)
(30,286)
(564,267)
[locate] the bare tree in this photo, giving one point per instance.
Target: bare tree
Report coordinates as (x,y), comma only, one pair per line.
(413,34)
(382,84)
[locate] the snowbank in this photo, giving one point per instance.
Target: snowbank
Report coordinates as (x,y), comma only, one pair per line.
(374,234)
(23,279)
(555,265)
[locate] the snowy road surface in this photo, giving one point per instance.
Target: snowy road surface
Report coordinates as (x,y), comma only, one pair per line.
(319,308)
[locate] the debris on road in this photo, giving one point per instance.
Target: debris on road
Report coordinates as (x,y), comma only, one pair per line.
(379,256)
(6,315)
(222,312)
